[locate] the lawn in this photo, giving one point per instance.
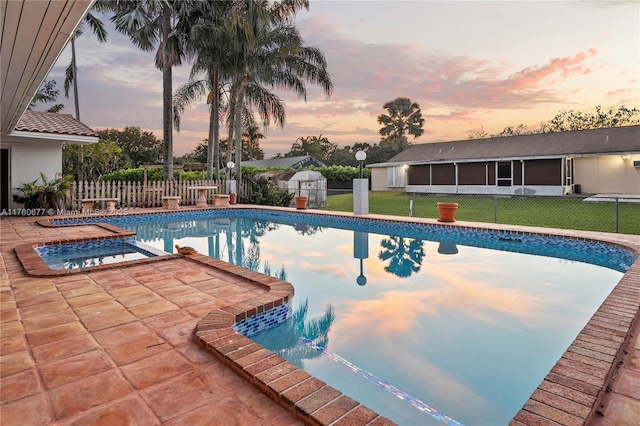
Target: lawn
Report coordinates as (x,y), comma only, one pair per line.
(552,212)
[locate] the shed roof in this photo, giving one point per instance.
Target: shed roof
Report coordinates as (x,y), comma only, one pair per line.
(285,162)
(607,141)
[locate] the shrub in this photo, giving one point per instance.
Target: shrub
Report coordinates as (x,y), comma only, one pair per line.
(46,194)
(137,175)
(338,173)
(267,193)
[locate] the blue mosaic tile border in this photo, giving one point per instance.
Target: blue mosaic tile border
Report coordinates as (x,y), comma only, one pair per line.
(264,321)
(596,253)
(54,253)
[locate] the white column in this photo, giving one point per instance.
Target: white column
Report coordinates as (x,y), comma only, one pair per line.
(361,196)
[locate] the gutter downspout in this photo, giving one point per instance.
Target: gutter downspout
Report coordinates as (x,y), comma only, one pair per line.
(456,170)
(522,174)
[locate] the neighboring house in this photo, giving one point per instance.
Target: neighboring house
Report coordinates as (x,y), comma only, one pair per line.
(36,146)
(285,162)
(587,161)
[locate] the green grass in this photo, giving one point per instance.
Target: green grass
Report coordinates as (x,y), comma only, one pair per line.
(550,212)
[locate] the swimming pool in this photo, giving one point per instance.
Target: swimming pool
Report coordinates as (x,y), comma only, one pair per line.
(421,305)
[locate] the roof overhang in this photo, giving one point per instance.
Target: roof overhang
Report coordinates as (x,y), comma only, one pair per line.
(21,138)
(34,33)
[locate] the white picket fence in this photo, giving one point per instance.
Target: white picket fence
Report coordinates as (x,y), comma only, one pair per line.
(141,194)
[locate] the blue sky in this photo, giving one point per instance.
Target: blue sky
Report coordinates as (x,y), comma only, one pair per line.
(468,64)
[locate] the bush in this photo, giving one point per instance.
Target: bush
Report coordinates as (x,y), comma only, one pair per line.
(337,173)
(46,194)
(267,193)
(137,175)
(333,173)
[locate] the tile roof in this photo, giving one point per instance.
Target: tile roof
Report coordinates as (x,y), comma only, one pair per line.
(59,124)
(613,140)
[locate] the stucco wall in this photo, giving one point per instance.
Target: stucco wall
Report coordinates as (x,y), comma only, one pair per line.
(27,161)
(609,174)
(379,179)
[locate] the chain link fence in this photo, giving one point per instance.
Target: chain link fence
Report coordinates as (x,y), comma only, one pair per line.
(596,213)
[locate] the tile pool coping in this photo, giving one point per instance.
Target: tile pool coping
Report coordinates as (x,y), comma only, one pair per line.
(571,393)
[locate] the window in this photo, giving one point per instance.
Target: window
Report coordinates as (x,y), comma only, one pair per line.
(568,171)
(395,177)
(504,173)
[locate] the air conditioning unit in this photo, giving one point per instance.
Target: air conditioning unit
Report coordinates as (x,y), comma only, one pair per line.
(636,164)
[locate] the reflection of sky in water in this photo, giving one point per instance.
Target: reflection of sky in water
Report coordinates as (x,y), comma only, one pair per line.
(471,334)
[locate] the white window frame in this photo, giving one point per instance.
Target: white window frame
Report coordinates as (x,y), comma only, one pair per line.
(395,177)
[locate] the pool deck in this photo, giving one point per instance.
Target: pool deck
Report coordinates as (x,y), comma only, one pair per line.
(150,344)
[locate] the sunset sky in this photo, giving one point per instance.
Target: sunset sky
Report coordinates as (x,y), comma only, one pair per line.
(468,64)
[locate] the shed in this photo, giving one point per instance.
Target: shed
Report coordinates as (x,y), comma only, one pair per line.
(307,183)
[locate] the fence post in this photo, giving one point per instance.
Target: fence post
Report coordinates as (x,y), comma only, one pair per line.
(617,217)
(495,209)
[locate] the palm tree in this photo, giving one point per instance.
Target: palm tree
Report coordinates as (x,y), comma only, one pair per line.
(46,93)
(247,47)
(404,254)
(165,25)
(299,338)
(97,27)
(189,93)
(404,117)
(71,74)
(268,51)
(210,38)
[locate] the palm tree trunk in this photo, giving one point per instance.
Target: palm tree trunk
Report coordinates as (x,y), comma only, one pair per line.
(75,77)
(233,97)
(215,105)
(238,126)
(213,160)
(167,124)
(77,104)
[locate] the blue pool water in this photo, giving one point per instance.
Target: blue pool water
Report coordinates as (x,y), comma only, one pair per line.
(93,253)
(457,322)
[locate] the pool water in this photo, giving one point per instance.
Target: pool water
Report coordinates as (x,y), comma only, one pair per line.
(92,253)
(417,322)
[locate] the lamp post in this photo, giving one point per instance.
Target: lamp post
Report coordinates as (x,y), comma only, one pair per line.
(231,183)
(361,252)
(361,189)
(361,156)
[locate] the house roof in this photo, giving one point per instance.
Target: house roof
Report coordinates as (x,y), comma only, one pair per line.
(33,35)
(285,162)
(608,141)
(47,122)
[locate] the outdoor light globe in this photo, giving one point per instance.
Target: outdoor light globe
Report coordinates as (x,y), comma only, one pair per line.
(230,165)
(361,155)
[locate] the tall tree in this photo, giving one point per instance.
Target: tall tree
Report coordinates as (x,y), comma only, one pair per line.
(404,117)
(316,146)
(163,25)
(252,137)
(139,146)
(100,158)
(210,38)
(566,121)
(578,120)
(97,27)
(71,74)
(269,51)
(46,93)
